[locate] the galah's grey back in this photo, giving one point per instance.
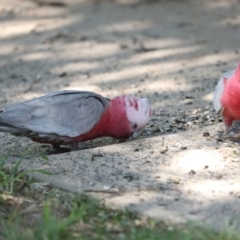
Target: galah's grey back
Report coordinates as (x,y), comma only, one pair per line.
(219,90)
(65,113)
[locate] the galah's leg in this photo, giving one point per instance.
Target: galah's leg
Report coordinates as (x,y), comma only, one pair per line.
(73,146)
(228,121)
(57,149)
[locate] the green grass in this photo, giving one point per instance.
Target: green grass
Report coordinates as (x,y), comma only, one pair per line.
(36,211)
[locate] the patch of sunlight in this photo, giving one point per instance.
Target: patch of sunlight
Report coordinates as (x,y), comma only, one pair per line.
(6,48)
(134,72)
(208,97)
(138,72)
(17,27)
(161,53)
(168,85)
(205,60)
(59,22)
(36,56)
(133,198)
(128,26)
(85,51)
(212,5)
(123,148)
(198,160)
(231,21)
(28,96)
(6,5)
(131,72)
(89,52)
(78,66)
(210,186)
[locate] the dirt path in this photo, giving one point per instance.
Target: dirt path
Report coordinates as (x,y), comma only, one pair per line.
(172,52)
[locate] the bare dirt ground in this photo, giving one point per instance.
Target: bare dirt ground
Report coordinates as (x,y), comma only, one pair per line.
(172,52)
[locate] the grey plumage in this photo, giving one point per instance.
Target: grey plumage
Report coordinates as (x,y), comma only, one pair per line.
(63,113)
(219,91)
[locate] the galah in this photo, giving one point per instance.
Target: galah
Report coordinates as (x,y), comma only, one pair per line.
(68,117)
(227,99)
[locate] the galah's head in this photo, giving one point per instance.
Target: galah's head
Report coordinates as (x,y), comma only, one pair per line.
(132,114)
(138,112)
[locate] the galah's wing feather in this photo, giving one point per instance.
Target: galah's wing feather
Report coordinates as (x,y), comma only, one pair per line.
(219,91)
(66,113)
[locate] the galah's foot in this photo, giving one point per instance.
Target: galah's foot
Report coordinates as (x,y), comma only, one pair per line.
(58,149)
(232,135)
(73,146)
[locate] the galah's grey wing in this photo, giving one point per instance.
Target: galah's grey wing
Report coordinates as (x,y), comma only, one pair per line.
(65,113)
(219,91)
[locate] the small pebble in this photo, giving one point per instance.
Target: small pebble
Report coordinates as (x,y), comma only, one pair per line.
(163,150)
(192,172)
(206,134)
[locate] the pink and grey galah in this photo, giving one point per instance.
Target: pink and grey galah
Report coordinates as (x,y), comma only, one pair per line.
(227,99)
(68,117)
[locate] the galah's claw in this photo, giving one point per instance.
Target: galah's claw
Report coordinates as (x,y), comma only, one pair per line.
(58,149)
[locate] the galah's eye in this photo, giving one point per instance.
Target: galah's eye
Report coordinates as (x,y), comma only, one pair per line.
(134,125)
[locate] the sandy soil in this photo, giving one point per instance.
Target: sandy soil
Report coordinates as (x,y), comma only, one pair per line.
(172,52)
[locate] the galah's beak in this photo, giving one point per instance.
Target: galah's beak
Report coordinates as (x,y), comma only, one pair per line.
(135,134)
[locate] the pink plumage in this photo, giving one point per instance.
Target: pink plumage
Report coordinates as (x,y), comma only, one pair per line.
(70,117)
(230,99)
(227,97)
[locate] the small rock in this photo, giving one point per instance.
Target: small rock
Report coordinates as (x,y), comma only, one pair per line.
(183,147)
(176,181)
(38,77)
(206,134)
(180,126)
(130,176)
(189,97)
(163,150)
(106,187)
(192,172)
(63,74)
(123,46)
